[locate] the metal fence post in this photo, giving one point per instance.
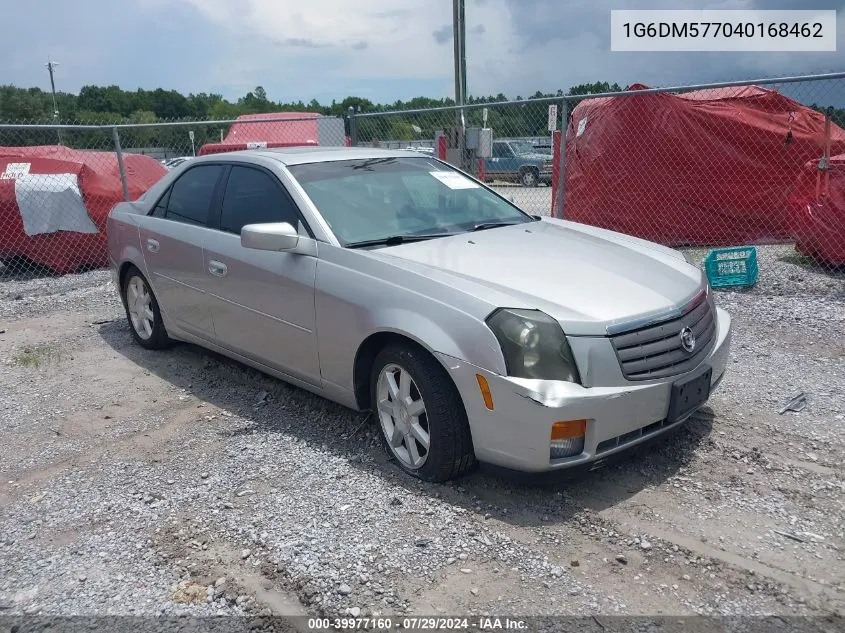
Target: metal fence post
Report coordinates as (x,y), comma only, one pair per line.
(353,128)
(120,164)
(561,176)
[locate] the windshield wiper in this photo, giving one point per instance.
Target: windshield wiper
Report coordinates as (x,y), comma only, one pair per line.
(492,225)
(368,164)
(396,240)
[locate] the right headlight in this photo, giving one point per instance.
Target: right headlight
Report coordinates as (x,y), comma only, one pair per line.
(534,345)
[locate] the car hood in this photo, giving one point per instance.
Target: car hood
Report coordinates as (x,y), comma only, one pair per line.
(586,278)
(536,156)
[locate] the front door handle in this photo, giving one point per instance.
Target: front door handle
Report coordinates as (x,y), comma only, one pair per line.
(152,245)
(218,269)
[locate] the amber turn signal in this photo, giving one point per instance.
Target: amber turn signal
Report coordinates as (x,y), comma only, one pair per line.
(485,391)
(569,429)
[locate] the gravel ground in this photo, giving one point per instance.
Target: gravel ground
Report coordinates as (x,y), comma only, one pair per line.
(179,482)
(536,200)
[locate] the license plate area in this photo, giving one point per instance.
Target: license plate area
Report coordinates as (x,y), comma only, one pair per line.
(687,395)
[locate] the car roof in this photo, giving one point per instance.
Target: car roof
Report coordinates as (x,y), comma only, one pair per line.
(302,155)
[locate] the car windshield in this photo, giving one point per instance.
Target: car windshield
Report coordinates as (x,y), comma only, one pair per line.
(373,199)
(523,147)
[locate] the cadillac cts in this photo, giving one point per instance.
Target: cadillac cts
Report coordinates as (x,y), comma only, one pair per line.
(390,281)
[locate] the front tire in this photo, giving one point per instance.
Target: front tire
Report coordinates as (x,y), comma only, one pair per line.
(142,312)
(529,178)
(421,415)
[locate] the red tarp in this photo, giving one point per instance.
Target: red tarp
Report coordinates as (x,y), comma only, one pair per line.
(713,167)
(275,134)
(54,202)
(219,148)
(818,212)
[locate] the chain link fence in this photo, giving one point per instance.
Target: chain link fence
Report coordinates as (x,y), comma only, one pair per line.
(706,167)
(715,166)
(519,164)
(58,183)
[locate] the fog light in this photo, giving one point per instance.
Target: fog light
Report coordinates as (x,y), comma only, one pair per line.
(567,438)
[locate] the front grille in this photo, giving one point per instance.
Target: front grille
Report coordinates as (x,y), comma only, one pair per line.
(632,436)
(645,431)
(655,351)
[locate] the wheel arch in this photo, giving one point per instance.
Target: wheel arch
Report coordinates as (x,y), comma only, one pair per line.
(123,271)
(366,355)
(122,274)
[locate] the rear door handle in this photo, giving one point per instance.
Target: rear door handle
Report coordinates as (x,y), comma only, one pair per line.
(218,269)
(153,245)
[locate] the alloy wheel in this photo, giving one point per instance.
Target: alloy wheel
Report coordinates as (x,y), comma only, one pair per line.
(139,304)
(402,416)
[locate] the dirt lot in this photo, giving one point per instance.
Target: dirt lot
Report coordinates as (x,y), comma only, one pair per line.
(536,200)
(136,482)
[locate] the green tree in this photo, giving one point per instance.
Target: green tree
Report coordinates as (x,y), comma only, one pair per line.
(144,136)
(112,105)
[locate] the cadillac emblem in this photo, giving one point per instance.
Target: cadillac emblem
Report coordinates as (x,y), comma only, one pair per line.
(688,340)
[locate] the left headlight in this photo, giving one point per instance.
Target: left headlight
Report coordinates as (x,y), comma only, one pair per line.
(534,345)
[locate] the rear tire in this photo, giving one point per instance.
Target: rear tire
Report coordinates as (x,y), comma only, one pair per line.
(142,312)
(421,415)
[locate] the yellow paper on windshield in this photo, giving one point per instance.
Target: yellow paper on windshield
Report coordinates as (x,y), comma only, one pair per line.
(454,180)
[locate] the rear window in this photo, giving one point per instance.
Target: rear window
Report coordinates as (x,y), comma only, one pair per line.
(192,193)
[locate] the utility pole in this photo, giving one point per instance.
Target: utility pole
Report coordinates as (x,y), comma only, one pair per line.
(459,36)
(50,67)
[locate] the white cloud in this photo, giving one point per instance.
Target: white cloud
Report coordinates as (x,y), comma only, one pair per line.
(379,39)
(384,50)
(513,46)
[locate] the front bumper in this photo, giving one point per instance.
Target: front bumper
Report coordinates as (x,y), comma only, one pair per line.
(516,433)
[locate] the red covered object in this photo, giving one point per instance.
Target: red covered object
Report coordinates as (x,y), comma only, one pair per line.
(299,129)
(220,148)
(292,131)
(818,212)
(54,202)
(712,167)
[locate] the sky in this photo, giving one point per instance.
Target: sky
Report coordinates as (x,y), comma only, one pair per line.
(383,50)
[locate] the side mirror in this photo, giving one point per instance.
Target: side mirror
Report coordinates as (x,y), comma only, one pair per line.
(278,236)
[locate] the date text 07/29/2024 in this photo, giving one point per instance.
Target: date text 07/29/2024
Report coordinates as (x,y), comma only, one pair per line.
(411,623)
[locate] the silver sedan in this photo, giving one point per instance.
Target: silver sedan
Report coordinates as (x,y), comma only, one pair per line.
(390,281)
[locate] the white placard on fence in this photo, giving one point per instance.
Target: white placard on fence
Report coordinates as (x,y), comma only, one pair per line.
(14,170)
(552,117)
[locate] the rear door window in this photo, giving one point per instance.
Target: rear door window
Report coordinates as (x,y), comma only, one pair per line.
(191,195)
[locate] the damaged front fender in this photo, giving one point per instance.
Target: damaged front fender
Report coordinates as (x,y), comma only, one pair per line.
(556,394)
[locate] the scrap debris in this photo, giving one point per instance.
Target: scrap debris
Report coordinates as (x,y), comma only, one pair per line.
(797,404)
(789,535)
